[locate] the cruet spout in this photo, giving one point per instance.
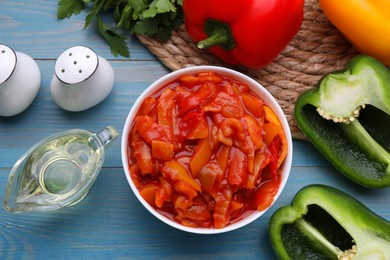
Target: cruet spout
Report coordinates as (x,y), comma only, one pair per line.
(107,135)
(58,171)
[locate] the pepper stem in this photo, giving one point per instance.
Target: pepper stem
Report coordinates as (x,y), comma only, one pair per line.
(317,239)
(217,38)
(219,34)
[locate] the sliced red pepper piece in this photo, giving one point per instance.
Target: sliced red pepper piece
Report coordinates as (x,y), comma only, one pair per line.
(209,77)
(274,149)
(207,90)
(142,154)
(163,193)
(237,174)
(181,202)
(213,132)
(230,129)
(265,194)
(148,192)
(262,158)
(203,77)
(197,210)
(165,113)
(223,139)
(231,111)
(189,122)
(186,100)
(234,206)
(135,176)
(149,129)
(185,188)
(162,150)
(222,202)
(189,79)
(201,130)
(247,147)
(183,181)
(208,175)
(223,157)
(193,213)
(255,131)
(147,106)
(222,98)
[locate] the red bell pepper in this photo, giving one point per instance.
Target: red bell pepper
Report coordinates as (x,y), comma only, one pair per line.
(247,32)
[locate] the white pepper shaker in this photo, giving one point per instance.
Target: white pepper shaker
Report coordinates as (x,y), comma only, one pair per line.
(81,79)
(20,79)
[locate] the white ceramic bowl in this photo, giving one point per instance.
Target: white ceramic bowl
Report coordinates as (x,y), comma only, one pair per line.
(258,90)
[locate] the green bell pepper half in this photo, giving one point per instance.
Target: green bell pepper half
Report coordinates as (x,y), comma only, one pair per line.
(346,117)
(326,223)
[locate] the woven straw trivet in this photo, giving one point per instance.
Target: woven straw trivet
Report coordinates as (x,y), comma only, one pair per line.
(317,49)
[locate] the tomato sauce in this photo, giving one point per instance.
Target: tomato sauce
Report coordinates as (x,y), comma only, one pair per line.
(206,151)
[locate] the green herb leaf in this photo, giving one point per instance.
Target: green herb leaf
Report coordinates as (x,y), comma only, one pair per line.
(148,27)
(116,42)
(125,16)
(158,7)
(66,8)
(138,7)
(155,18)
(93,12)
(164,6)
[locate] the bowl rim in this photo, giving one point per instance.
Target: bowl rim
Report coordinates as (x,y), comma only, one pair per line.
(256,88)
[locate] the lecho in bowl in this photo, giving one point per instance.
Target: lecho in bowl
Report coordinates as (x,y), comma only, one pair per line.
(206,149)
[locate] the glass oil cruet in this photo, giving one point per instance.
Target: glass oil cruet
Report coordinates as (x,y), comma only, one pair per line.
(58,171)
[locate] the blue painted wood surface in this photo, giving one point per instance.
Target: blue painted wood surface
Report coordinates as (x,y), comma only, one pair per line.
(110,223)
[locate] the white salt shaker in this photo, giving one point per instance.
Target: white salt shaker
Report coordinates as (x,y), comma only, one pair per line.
(81,79)
(20,79)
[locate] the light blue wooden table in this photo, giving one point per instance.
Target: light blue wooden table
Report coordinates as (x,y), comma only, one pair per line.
(110,223)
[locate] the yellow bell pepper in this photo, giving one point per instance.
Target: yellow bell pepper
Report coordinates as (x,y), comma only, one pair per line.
(365,23)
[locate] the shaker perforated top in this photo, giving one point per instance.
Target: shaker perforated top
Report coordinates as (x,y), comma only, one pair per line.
(76,65)
(7,63)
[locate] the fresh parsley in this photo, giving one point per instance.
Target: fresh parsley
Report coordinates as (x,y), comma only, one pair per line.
(66,8)
(155,18)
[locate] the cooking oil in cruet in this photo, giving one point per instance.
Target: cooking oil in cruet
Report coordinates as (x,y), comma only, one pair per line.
(58,171)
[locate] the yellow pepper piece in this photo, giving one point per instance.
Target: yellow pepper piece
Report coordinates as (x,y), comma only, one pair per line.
(271,117)
(200,157)
(365,23)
